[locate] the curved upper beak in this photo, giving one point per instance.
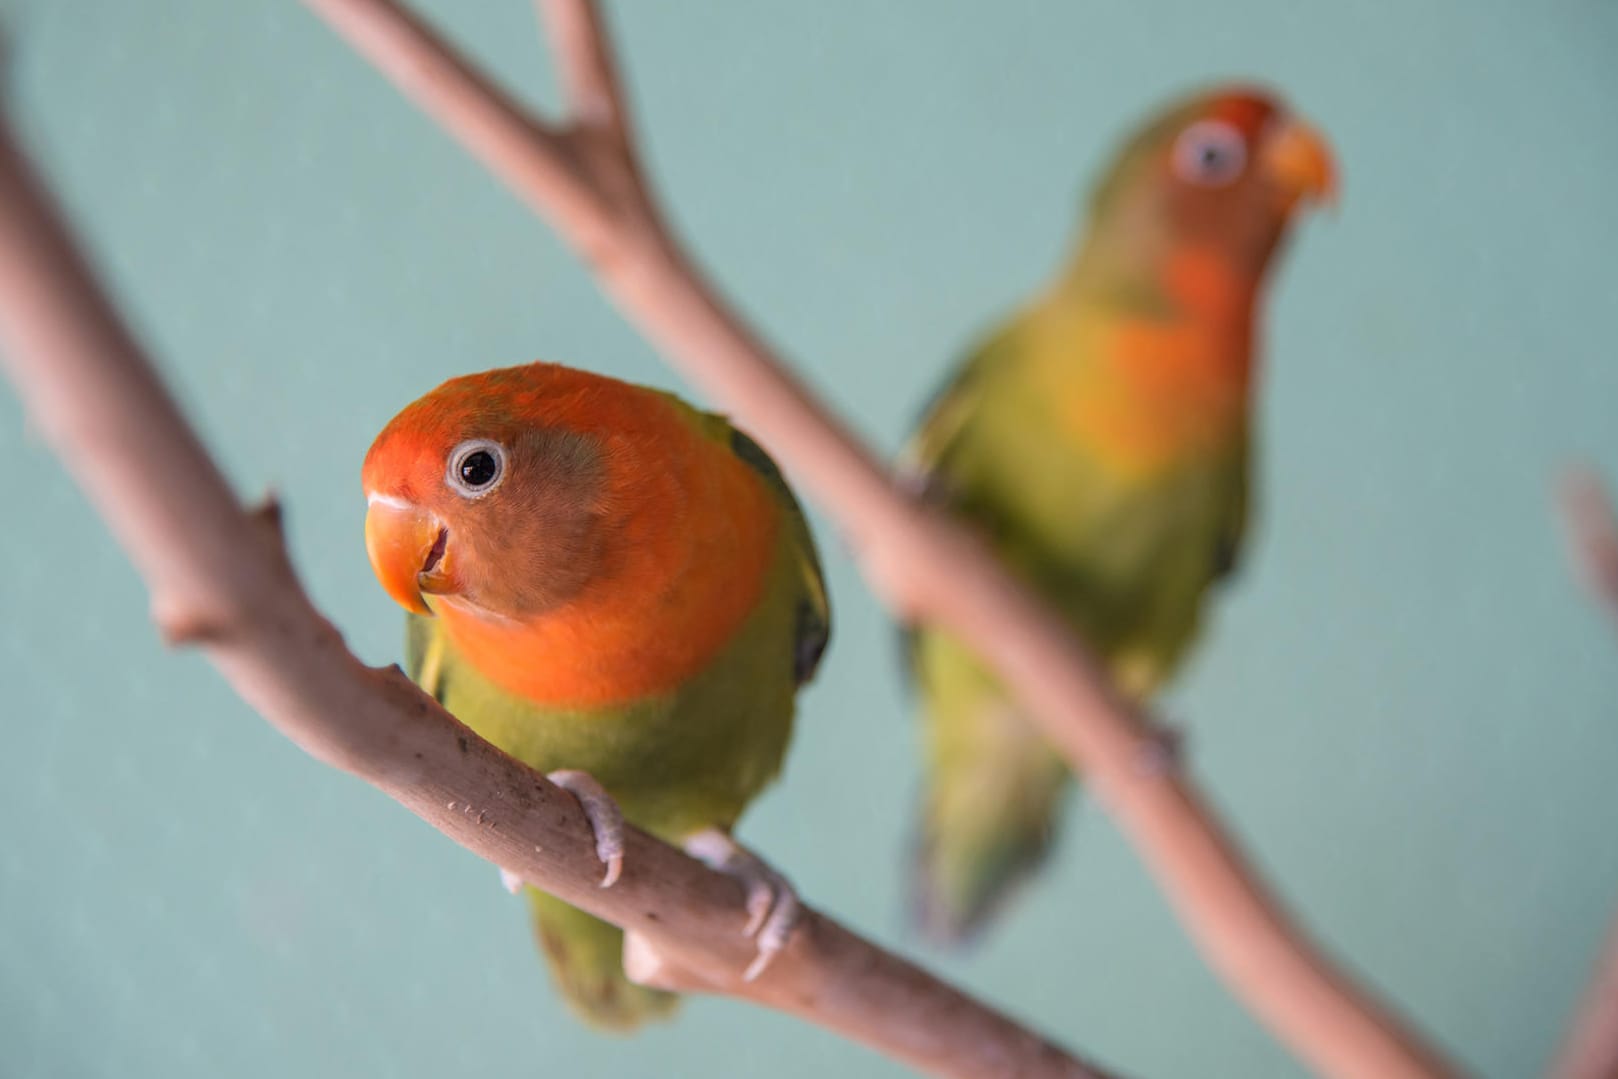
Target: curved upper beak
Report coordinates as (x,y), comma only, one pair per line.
(1300,161)
(409,551)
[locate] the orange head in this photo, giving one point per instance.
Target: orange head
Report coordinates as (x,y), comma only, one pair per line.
(489,492)
(1222,172)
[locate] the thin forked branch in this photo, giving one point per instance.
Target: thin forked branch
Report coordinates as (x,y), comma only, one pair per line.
(219,578)
(924,566)
(590,83)
(1590,1048)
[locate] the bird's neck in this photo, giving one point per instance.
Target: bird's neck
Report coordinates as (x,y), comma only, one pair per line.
(1182,284)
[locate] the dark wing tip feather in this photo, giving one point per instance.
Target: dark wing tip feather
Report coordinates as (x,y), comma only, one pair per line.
(813,627)
(813,634)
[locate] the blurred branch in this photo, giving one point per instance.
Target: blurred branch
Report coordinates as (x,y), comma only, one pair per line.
(583,178)
(1590,1048)
(1592,528)
(219,578)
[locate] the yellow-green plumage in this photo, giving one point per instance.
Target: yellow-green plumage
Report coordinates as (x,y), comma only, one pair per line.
(1127,562)
(1099,442)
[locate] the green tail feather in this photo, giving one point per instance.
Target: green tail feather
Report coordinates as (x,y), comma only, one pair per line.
(585,955)
(994,789)
(985,828)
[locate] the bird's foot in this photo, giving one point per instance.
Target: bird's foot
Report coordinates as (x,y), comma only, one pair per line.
(772,904)
(606,819)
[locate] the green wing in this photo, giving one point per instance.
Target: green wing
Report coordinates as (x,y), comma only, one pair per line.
(924,463)
(925,459)
(814,610)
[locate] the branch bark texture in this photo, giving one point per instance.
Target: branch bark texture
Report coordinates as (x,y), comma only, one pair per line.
(219,578)
(584,178)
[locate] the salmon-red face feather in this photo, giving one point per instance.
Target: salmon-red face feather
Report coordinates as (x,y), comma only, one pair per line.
(488,491)
(1223,171)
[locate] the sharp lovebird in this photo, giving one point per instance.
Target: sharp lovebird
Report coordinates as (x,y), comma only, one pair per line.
(619,590)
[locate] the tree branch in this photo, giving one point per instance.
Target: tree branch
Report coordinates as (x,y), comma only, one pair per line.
(1589,1050)
(219,578)
(590,84)
(1592,527)
(924,566)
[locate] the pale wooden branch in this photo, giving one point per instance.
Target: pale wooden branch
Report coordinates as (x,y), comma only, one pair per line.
(590,83)
(1589,1050)
(925,567)
(219,578)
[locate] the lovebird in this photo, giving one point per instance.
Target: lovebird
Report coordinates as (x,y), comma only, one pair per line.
(1099,441)
(616,589)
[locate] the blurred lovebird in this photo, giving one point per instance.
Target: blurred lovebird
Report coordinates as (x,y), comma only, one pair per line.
(619,590)
(1099,441)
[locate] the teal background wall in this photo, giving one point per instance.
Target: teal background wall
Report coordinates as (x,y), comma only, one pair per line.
(1406,707)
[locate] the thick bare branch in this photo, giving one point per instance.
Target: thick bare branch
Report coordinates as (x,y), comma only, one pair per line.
(219,577)
(925,568)
(1590,1048)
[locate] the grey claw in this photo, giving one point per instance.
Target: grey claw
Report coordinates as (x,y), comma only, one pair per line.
(777,931)
(773,909)
(606,819)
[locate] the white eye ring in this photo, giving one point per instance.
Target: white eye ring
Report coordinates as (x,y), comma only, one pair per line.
(468,475)
(1210,153)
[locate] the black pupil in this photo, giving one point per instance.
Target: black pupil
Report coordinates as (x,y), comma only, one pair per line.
(1213,156)
(478,468)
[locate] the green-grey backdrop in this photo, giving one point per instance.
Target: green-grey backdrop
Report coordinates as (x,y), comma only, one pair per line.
(1406,708)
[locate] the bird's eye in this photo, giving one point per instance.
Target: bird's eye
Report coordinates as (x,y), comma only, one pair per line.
(476,467)
(1210,153)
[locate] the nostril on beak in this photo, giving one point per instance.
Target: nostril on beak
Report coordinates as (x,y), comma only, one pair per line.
(436,554)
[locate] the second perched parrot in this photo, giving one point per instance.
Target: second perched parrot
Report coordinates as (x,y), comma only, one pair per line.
(1099,441)
(615,588)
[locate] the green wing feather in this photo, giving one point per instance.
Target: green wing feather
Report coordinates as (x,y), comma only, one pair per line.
(814,608)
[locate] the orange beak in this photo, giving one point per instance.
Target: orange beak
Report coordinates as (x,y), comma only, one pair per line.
(1300,161)
(409,550)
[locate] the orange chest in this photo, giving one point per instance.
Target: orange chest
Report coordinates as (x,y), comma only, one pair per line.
(1158,393)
